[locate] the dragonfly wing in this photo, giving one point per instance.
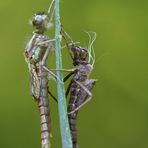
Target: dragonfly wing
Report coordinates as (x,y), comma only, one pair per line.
(35,84)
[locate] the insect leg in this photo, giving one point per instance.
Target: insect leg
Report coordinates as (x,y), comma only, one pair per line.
(65,35)
(84,88)
(87,97)
(49,10)
(64,70)
(47,50)
(70,44)
(76,109)
(68,89)
(45,42)
(50,73)
(49,92)
(69,86)
(68,76)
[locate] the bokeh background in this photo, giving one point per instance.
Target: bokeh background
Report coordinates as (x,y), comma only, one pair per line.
(117,116)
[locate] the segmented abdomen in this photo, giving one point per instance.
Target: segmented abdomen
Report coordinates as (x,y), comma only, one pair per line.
(73,117)
(43,105)
(77,97)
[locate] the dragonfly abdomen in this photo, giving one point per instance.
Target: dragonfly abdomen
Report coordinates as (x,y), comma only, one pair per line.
(43,105)
(45,125)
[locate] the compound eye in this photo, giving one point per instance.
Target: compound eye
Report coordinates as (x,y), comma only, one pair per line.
(38,19)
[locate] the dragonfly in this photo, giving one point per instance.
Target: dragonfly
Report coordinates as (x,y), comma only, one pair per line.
(36,55)
(80,86)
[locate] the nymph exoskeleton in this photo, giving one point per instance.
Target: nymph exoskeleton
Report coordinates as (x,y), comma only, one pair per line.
(80,85)
(36,54)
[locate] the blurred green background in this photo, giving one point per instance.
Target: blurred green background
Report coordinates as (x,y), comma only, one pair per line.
(117,116)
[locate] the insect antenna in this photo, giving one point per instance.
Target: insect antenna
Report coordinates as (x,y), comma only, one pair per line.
(91,51)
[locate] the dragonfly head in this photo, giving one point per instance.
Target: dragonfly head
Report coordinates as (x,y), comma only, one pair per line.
(41,21)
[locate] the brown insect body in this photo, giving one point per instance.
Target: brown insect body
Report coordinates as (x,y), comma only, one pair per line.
(80,87)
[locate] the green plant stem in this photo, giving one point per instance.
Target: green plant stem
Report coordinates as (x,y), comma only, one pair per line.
(64,125)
